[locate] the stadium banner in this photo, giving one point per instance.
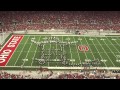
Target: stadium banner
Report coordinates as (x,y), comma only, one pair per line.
(9,48)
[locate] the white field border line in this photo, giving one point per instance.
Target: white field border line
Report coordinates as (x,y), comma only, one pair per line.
(28,52)
(21,51)
(109,49)
(6,43)
(14,50)
(70,50)
(65,68)
(35,52)
(77,51)
(75,35)
(90,49)
(84,52)
(105,52)
(98,52)
(113,45)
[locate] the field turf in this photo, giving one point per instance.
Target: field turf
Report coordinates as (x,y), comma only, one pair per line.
(104,49)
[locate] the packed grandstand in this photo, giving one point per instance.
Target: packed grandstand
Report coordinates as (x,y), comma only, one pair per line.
(38,20)
(57,22)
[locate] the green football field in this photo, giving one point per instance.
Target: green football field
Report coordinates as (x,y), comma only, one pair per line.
(105,50)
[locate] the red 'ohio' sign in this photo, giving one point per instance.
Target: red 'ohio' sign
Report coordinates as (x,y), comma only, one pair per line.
(9,48)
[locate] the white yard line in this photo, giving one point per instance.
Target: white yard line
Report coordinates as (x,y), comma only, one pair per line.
(90,49)
(56,53)
(56,50)
(35,52)
(49,54)
(78,52)
(14,51)
(21,51)
(113,45)
(60,45)
(110,49)
(85,52)
(116,42)
(99,53)
(28,52)
(70,51)
(105,52)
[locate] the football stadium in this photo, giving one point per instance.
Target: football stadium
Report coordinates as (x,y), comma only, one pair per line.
(59,45)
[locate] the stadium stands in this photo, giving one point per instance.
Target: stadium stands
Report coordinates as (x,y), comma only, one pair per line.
(36,20)
(38,74)
(40,20)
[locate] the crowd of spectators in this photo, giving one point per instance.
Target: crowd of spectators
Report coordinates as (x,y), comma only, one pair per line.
(48,74)
(83,20)
(38,20)
(90,75)
(25,74)
(6,75)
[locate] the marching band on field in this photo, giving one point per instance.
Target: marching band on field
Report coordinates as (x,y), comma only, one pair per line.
(46,57)
(47,53)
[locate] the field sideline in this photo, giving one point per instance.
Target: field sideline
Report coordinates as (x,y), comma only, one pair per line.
(105,49)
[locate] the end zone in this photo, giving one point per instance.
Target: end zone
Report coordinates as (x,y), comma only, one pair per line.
(9,48)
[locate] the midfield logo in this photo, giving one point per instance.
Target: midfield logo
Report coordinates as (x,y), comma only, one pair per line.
(83,48)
